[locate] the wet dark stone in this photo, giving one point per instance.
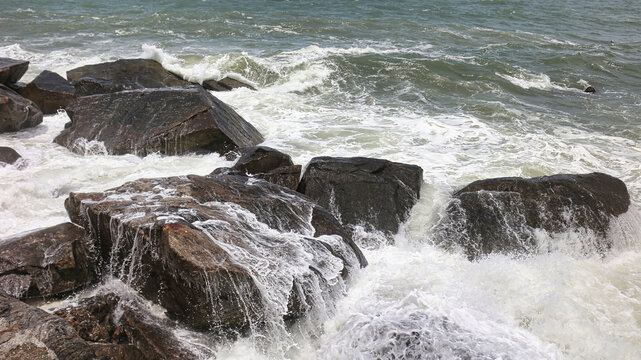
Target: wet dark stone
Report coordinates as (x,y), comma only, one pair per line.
(11,70)
(45,263)
(49,91)
(8,155)
(377,194)
(268,164)
(500,215)
(16,112)
(590,89)
(175,226)
(86,86)
(170,121)
(225,84)
(132,73)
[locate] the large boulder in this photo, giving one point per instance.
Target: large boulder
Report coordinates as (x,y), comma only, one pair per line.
(225,84)
(16,112)
(11,70)
(124,329)
(169,120)
(268,164)
(374,193)
(92,85)
(27,332)
(503,215)
(8,156)
(49,91)
(224,253)
(131,73)
(45,263)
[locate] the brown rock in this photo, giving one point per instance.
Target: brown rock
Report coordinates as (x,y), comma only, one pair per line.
(49,91)
(170,121)
(45,263)
(225,84)
(268,164)
(16,112)
(91,86)
(8,155)
(11,70)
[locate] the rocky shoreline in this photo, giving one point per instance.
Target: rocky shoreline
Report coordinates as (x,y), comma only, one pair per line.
(246,249)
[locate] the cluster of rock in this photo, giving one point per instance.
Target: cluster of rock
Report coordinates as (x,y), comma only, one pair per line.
(239,249)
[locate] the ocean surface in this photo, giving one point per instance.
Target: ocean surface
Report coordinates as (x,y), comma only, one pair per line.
(465,89)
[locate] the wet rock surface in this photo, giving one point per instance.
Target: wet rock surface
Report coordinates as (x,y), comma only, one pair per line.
(375,193)
(11,70)
(268,164)
(225,84)
(45,263)
(8,155)
(131,73)
(169,121)
(49,91)
(17,112)
(27,332)
(89,85)
(501,215)
(221,252)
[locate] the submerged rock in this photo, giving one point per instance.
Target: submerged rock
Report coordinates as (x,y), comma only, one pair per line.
(8,155)
(130,73)
(374,193)
(590,89)
(169,121)
(45,263)
(11,70)
(226,253)
(268,164)
(49,91)
(225,84)
(16,112)
(27,332)
(501,215)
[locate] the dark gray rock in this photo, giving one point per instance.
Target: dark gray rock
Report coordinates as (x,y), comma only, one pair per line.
(45,263)
(500,215)
(218,251)
(268,164)
(8,156)
(49,91)
(377,194)
(590,89)
(132,73)
(225,84)
(92,85)
(27,332)
(16,112)
(169,121)
(11,70)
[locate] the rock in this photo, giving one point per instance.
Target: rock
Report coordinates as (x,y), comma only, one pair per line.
(27,332)
(218,252)
(226,84)
(268,164)
(501,215)
(92,85)
(589,89)
(104,319)
(11,70)
(16,86)
(169,121)
(16,112)
(135,73)
(49,91)
(8,156)
(45,263)
(374,193)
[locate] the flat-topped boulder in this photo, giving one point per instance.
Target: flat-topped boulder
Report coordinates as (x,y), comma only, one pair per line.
(501,215)
(268,164)
(89,85)
(225,84)
(169,121)
(8,156)
(143,73)
(45,263)
(374,193)
(223,253)
(17,112)
(49,91)
(27,332)
(11,70)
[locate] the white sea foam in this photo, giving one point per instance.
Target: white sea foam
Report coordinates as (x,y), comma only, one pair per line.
(529,80)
